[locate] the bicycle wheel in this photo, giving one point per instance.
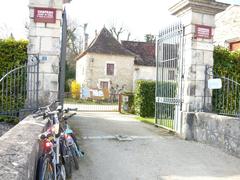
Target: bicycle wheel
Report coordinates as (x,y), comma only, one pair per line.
(45,169)
(61,173)
(68,163)
(74,157)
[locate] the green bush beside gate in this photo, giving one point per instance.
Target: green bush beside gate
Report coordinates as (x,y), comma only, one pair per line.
(144,100)
(12,53)
(226,64)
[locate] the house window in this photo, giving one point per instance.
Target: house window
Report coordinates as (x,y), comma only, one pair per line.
(235,46)
(103,84)
(171,75)
(110,69)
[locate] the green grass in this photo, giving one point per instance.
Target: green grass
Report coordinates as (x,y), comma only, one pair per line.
(149,120)
(169,123)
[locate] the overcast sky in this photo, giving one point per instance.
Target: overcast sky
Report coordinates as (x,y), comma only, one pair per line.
(137,16)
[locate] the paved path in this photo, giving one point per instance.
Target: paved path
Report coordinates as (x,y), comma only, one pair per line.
(151,154)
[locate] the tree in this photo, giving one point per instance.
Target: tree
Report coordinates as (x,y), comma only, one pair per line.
(150,38)
(76,43)
(118,30)
(74,38)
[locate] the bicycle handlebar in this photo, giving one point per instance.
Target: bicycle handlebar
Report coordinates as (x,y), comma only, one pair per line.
(45,111)
(70,109)
(45,114)
(69,116)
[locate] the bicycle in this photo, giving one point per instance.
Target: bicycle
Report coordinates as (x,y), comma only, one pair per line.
(71,140)
(50,164)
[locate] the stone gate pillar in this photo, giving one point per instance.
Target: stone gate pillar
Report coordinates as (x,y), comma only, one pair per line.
(197,17)
(44,41)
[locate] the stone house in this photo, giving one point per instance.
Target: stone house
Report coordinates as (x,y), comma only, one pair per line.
(227,31)
(105,64)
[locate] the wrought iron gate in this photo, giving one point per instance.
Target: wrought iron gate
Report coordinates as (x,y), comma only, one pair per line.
(169,61)
(19,90)
(225,100)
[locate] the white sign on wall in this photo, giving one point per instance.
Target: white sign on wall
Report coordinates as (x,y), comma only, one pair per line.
(215,83)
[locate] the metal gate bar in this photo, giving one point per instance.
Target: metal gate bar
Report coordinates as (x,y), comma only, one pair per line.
(226,100)
(169,76)
(19,90)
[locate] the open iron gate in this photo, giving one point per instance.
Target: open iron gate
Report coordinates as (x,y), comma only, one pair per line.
(169,57)
(19,89)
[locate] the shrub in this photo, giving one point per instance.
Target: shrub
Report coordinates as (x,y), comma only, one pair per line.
(144,99)
(75,89)
(12,53)
(226,64)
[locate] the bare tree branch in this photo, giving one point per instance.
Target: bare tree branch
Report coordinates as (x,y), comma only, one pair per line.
(117,31)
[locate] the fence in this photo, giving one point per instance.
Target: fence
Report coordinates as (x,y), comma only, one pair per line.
(93,103)
(19,90)
(225,100)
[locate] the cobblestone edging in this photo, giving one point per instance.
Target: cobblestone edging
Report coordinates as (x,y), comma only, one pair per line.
(220,131)
(19,150)
(4,127)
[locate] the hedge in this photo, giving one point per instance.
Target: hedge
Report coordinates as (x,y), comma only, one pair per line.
(144,100)
(13,53)
(226,64)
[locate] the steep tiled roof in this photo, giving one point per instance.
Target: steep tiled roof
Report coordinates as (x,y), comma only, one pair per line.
(144,52)
(105,43)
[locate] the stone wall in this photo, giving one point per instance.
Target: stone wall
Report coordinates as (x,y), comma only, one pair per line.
(19,150)
(95,70)
(144,73)
(227,26)
(220,131)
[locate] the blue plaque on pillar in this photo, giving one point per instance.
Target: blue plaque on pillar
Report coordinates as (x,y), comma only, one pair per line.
(43,58)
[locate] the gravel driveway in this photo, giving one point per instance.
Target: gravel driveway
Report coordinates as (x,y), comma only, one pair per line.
(119,148)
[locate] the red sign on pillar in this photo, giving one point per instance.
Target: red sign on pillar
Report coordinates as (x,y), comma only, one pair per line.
(202,31)
(45,15)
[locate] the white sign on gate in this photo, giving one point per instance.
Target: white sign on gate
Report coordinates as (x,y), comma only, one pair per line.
(215,83)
